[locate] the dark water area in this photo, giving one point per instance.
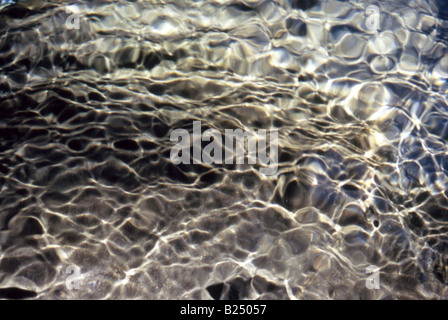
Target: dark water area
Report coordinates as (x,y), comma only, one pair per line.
(93,207)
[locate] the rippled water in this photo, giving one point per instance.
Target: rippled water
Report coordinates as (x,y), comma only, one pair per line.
(89,196)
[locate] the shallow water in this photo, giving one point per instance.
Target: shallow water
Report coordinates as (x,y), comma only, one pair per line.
(89,196)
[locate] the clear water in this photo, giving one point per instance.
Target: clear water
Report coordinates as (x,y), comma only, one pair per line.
(91,207)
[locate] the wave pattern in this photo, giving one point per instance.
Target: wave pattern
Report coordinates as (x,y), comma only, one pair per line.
(86,178)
